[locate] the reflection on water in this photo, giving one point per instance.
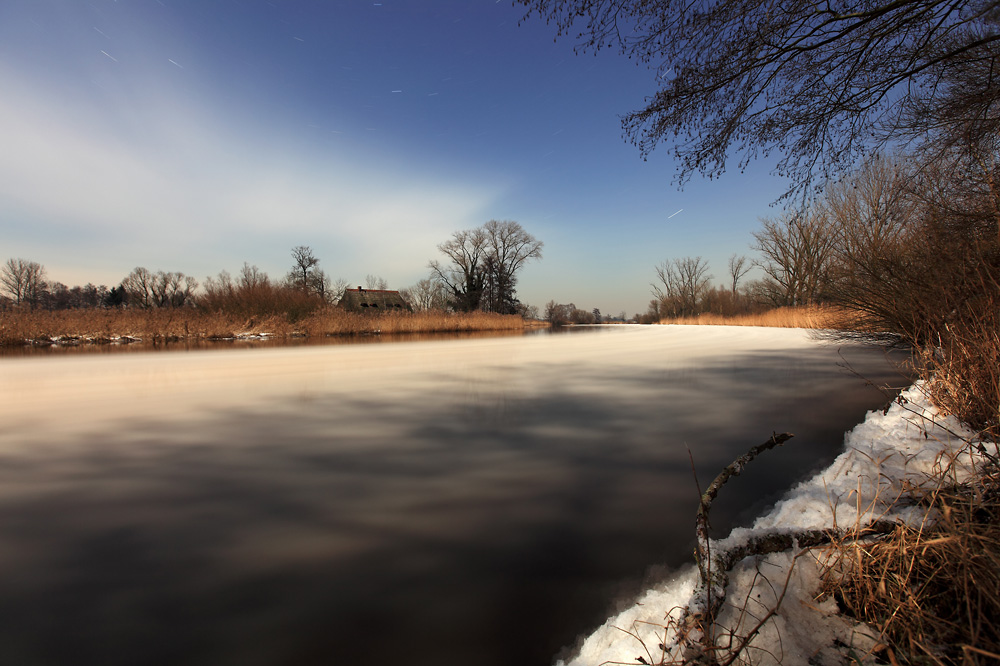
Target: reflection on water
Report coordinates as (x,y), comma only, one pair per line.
(478,501)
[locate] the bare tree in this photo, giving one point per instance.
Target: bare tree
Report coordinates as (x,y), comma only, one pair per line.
(138,286)
(902,264)
(336,289)
(218,291)
(956,123)
(171,290)
(669,288)
(376,282)
(252,277)
(302,276)
(682,284)
(320,283)
(560,314)
(962,185)
(870,213)
(464,275)
(509,248)
(818,82)
(739,266)
(795,250)
(426,294)
(327,288)
(251,293)
(484,265)
(529,311)
(163,286)
(694,281)
(24,280)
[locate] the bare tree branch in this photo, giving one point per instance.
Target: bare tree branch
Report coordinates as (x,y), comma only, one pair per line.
(820,83)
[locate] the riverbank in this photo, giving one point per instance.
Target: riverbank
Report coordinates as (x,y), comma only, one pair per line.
(99,326)
(912,589)
(923,593)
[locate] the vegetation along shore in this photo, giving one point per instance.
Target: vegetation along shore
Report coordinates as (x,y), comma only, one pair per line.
(96,326)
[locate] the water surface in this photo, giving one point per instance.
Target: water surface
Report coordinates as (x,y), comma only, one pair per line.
(475,501)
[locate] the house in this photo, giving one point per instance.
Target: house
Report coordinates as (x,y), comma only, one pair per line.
(373,300)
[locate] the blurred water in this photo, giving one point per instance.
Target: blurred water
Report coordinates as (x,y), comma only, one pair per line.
(476,501)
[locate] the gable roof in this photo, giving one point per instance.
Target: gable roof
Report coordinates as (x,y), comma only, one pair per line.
(373,300)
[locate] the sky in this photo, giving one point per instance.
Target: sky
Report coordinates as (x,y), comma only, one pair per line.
(196,135)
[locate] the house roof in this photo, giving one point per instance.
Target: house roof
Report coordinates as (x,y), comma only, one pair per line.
(373,300)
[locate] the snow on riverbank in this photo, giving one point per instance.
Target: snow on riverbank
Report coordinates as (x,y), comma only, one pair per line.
(883,456)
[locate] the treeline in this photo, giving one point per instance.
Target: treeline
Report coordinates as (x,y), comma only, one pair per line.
(169,307)
(562,314)
(899,243)
(684,288)
(304,289)
(792,253)
(480,275)
(250,292)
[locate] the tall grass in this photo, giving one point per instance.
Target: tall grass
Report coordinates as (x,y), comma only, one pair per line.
(22,327)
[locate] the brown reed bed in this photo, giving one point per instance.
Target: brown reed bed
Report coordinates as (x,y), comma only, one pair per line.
(101,326)
(334,321)
(786,317)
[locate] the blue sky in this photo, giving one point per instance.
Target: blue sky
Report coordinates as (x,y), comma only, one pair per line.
(194,135)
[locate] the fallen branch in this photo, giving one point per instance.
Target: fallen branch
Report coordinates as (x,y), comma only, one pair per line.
(695,627)
(703,553)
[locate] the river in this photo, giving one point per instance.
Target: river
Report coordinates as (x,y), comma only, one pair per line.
(431,502)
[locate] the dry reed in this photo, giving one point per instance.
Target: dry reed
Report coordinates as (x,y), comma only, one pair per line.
(932,592)
(963,362)
(24,327)
(786,317)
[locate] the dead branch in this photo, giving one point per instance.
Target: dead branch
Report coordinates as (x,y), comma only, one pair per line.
(735,468)
(695,635)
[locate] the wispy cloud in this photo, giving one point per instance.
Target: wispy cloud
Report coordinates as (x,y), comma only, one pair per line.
(163,180)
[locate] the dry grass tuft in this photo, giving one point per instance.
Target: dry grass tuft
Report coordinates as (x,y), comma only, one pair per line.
(933,591)
(788,317)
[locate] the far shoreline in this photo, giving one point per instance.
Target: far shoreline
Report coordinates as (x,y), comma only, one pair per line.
(126,327)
